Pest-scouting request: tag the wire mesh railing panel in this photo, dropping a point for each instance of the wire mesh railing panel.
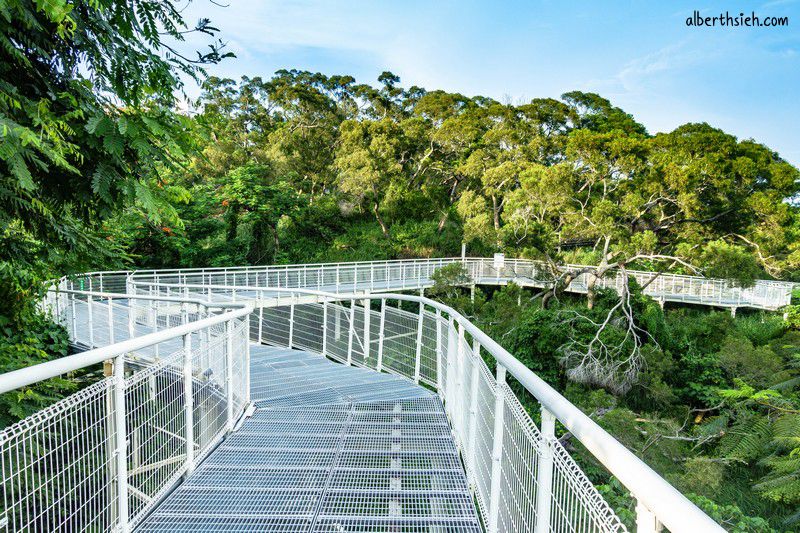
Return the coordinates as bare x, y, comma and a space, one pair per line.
100, 458
337, 332
156, 425
308, 323
481, 460
576, 504
58, 472
399, 341
519, 484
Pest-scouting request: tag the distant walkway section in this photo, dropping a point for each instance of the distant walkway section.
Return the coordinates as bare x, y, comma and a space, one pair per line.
412, 274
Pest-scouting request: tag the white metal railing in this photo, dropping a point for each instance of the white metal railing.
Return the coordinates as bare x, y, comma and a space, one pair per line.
383, 276
522, 477
179, 341
101, 458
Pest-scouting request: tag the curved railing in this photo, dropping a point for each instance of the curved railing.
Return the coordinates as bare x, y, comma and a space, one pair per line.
102, 458
383, 276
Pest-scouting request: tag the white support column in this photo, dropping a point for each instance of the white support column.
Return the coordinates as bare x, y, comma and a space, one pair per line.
418, 355
261, 320
291, 322
246, 372
367, 331
473, 413
646, 521
188, 402
544, 480
439, 384
497, 451
452, 351
337, 324
461, 398
90, 303
351, 332
325, 328
229, 371
381, 335
74, 318
131, 323
121, 444
110, 321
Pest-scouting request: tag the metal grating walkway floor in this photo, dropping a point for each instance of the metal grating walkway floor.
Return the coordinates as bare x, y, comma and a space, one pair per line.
329, 448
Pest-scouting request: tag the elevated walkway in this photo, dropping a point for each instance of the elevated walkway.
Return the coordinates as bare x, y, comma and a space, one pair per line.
252, 400
329, 448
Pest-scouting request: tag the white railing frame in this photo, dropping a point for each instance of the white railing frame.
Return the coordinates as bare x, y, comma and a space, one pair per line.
117, 352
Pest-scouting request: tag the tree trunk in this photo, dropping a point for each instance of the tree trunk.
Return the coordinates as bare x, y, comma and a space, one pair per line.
602, 268
384, 227
442, 221
496, 209
591, 295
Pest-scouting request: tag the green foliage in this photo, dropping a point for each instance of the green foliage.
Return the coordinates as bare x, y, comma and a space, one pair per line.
446, 281
28, 340
731, 517
86, 125
757, 366
731, 261
793, 316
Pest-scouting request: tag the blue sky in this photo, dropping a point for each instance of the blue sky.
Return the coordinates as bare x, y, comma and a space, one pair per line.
640, 55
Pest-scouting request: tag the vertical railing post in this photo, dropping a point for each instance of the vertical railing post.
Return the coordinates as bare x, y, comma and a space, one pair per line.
131, 322
472, 443
246, 371
110, 321
367, 332
261, 320
188, 402
381, 335
90, 302
121, 443
452, 349
74, 318
229, 371
439, 384
325, 328
418, 354
351, 331
544, 479
291, 321
497, 450
460, 396
646, 521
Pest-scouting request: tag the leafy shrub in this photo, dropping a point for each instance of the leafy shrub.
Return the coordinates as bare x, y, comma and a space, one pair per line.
758, 366
731, 517
793, 317
31, 340
760, 328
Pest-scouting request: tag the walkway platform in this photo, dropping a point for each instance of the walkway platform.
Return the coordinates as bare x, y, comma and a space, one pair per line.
330, 448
